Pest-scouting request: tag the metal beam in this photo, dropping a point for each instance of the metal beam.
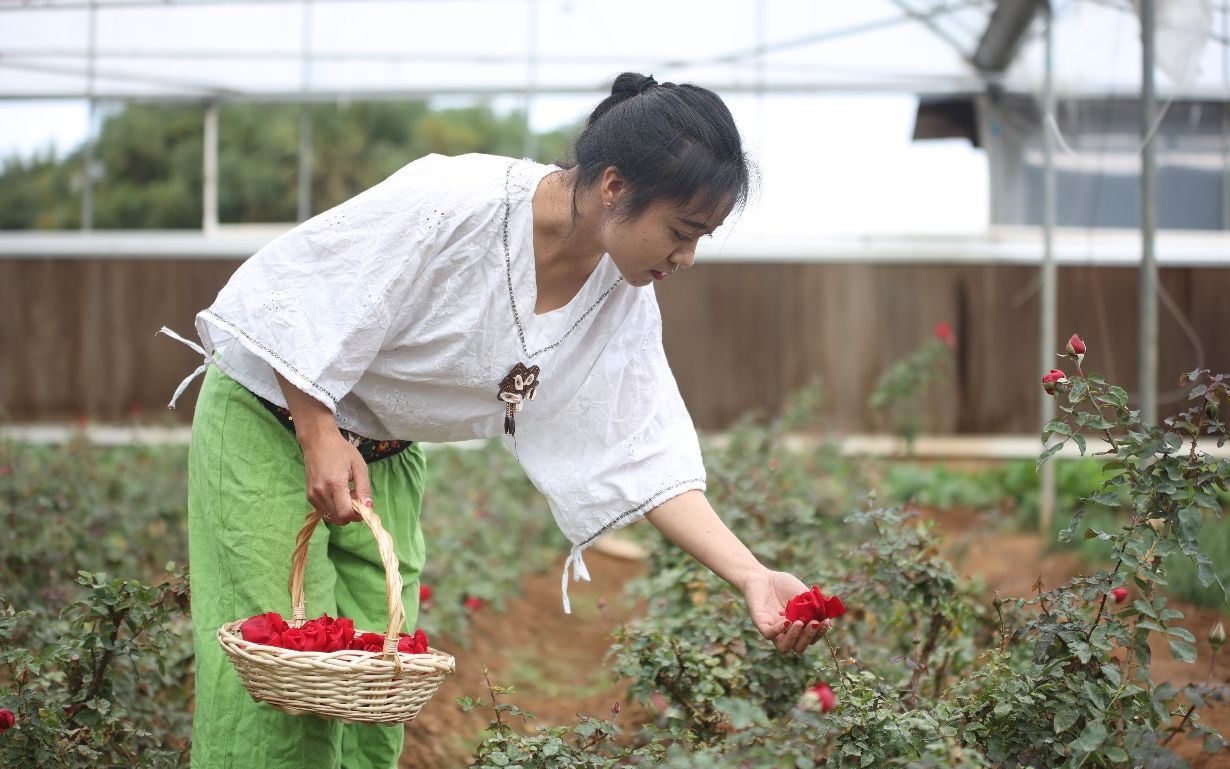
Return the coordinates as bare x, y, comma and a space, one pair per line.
1147, 371
1005, 31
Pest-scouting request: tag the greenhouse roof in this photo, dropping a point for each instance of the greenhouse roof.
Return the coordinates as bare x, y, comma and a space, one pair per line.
282, 50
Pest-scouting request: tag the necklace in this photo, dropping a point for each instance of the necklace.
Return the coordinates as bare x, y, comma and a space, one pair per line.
521, 382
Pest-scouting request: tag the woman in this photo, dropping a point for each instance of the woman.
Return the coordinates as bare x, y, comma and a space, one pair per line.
466, 297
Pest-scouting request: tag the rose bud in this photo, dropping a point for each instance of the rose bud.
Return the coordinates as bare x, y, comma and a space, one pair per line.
1120, 594
1052, 380
1076, 347
424, 594
1211, 409
819, 697
1217, 636
473, 603
7, 719
615, 710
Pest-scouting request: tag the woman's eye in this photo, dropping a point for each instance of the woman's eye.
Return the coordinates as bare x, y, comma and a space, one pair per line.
680, 236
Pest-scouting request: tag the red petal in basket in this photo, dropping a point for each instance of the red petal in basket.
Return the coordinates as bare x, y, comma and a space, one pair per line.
368, 642
413, 644
264, 629
339, 633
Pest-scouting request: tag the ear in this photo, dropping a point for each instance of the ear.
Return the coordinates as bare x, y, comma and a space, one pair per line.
611, 186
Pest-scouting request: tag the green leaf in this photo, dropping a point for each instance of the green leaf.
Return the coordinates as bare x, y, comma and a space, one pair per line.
1080, 442
1050, 452
1182, 634
1189, 523
1090, 739
1182, 651
1115, 754
1064, 719
1173, 440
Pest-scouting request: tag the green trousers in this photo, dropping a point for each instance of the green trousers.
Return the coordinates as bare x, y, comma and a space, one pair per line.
246, 502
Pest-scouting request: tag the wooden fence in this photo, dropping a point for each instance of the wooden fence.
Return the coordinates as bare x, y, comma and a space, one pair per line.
77, 335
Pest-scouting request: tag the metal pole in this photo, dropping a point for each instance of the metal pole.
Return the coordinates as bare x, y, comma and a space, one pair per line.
305, 121
209, 193
531, 141
1046, 501
1147, 373
87, 174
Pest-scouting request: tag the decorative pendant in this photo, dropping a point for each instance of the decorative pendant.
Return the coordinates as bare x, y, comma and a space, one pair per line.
519, 385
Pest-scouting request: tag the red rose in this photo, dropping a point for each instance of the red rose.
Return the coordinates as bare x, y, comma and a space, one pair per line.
473, 603
338, 632
264, 629
1076, 345
943, 332
424, 594
7, 719
1052, 380
413, 644
1120, 594
368, 642
813, 606
819, 696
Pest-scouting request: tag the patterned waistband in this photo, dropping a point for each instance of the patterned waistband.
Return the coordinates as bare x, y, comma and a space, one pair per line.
371, 449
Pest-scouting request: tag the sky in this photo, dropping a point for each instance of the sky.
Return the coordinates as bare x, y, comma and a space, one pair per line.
835, 161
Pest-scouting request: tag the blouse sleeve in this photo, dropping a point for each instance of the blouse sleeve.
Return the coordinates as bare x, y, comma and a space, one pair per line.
317, 303
623, 444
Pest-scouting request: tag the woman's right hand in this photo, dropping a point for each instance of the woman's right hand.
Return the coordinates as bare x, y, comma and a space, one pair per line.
334, 470
331, 465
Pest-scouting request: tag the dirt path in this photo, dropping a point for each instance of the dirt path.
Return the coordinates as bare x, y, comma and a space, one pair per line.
553, 660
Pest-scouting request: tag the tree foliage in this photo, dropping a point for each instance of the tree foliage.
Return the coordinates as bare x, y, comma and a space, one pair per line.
148, 161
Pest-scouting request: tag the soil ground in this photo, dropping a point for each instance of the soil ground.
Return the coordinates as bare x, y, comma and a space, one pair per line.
555, 661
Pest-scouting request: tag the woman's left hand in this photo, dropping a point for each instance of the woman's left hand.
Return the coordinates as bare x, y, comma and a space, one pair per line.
767, 594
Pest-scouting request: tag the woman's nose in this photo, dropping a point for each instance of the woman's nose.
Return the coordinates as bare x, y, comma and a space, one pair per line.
684, 257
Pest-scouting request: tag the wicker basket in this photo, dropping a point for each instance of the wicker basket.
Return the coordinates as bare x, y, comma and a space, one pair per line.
350, 686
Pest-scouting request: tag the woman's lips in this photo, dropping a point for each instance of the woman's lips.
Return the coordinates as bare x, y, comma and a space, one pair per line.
657, 275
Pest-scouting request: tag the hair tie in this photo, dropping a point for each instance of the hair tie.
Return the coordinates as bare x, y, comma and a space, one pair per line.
644, 84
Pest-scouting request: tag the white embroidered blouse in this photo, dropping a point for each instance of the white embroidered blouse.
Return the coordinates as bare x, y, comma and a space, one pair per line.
404, 307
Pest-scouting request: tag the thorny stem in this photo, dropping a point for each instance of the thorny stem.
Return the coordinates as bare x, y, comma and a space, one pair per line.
924, 655
833, 653
491, 693
1191, 709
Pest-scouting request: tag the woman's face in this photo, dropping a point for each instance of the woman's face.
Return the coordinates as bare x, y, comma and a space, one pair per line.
659, 241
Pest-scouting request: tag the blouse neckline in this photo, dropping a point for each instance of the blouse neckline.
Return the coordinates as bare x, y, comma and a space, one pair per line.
540, 333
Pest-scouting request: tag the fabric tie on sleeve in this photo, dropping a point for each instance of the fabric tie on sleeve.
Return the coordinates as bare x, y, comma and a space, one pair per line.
579, 572
200, 369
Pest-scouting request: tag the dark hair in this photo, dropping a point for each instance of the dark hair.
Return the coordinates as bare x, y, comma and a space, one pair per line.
670, 142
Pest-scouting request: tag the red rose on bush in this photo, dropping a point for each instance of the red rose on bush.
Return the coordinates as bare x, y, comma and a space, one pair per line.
820, 697
7, 719
424, 594
1053, 379
1076, 345
413, 644
1120, 594
813, 606
473, 603
943, 332
264, 629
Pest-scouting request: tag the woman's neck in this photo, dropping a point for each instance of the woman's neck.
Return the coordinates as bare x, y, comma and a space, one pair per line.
565, 249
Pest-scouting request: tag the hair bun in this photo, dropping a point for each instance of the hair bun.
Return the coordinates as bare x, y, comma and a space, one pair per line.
631, 84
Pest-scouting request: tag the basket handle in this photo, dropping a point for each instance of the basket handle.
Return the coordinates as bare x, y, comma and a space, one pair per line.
392, 576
